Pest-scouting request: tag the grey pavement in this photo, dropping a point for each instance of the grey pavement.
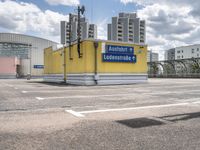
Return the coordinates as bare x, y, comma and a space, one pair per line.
160, 114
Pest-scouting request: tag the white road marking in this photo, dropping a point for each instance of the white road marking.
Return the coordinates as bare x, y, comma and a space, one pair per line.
87, 96
56, 91
39, 98
172, 92
198, 102
75, 113
133, 108
124, 109
161, 120
122, 94
9, 85
187, 100
24, 91
133, 89
74, 90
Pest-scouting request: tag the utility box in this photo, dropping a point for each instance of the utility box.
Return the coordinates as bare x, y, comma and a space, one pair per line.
101, 63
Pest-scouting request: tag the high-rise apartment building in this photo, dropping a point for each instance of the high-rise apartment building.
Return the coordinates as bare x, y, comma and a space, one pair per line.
86, 30
127, 27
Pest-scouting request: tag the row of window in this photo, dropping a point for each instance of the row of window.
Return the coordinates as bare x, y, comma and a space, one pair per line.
179, 57
192, 50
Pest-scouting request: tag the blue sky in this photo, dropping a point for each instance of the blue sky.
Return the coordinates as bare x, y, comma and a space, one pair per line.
166, 26
96, 10
49, 13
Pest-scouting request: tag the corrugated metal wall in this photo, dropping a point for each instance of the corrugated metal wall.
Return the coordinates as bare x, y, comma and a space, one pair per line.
37, 48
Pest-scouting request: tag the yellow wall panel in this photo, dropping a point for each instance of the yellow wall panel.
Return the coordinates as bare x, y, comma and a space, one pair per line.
86, 64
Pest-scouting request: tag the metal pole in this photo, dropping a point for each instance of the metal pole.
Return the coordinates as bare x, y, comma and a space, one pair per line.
64, 63
70, 35
78, 31
30, 65
96, 62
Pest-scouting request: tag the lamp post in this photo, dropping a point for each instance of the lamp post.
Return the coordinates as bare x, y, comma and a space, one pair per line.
81, 10
64, 64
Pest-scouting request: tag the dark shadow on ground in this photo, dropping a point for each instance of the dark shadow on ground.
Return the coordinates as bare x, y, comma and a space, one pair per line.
62, 84
146, 122
140, 122
181, 117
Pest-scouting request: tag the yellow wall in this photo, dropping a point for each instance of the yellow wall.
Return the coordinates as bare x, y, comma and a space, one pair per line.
47, 62
117, 67
54, 60
76, 64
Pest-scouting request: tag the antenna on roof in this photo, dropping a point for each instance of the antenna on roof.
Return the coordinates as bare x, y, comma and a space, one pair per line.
92, 4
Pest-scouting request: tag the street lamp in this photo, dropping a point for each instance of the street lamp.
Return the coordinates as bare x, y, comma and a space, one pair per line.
81, 10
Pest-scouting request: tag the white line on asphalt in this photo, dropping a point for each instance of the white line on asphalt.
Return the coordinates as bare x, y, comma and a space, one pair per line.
133, 108
125, 109
171, 92
74, 90
196, 102
147, 91
39, 98
187, 100
9, 85
110, 95
161, 120
85, 96
75, 113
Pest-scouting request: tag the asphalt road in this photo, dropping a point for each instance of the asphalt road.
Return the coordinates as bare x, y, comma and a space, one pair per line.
161, 114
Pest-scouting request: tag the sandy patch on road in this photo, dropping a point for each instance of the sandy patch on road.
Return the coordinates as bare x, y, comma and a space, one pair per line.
37, 121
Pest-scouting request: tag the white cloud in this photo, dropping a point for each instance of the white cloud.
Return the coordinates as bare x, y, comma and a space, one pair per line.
63, 2
170, 23
102, 29
28, 18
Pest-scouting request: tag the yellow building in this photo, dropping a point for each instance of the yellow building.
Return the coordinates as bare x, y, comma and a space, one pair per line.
101, 63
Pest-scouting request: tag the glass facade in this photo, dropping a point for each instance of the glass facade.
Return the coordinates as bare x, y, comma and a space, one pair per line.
15, 49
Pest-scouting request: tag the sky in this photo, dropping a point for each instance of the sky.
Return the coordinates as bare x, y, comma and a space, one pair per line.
170, 23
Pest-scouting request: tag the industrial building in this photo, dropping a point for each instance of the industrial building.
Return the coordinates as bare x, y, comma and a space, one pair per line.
186, 52
101, 63
86, 30
127, 27
183, 52
22, 54
152, 56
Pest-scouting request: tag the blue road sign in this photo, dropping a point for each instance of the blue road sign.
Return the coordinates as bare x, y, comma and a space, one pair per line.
114, 53
106, 57
114, 49
38, 66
